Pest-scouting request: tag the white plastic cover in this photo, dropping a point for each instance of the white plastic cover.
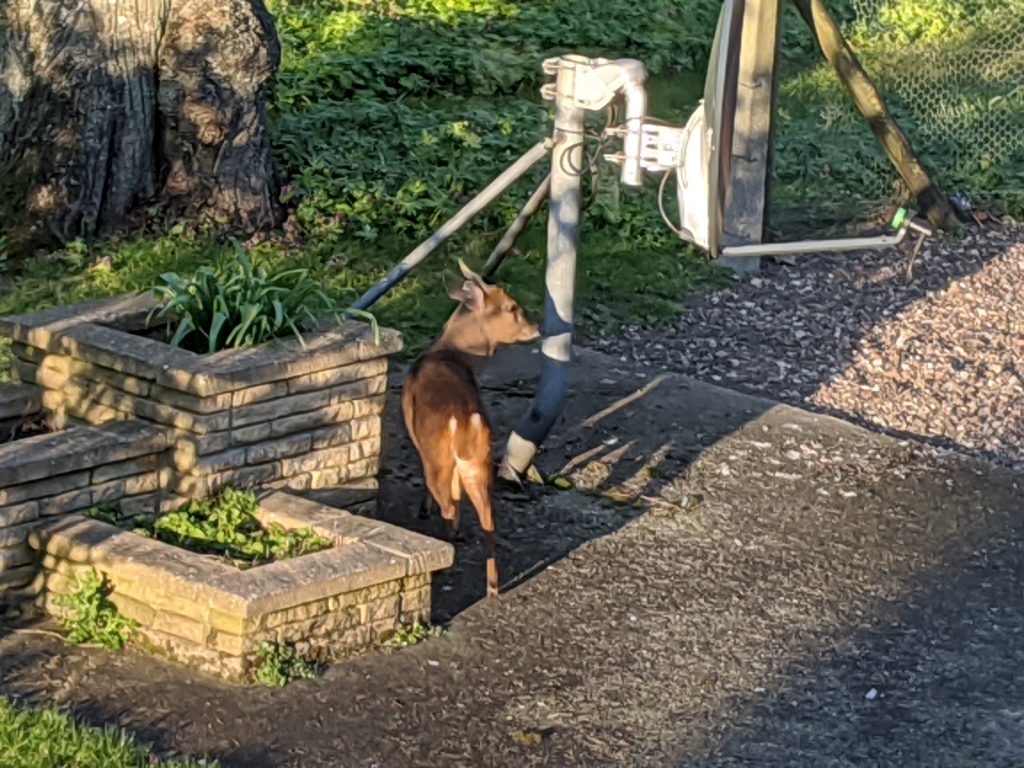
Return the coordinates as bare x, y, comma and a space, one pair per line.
701, 187
692, 184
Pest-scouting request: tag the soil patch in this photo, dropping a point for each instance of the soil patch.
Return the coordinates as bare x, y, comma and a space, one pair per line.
29, 427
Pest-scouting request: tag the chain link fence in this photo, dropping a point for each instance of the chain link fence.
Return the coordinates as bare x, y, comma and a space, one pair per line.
952, 74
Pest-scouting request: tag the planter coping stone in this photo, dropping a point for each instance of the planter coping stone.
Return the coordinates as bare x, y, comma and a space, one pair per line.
76, 448
100, 331
365, 552
17, 400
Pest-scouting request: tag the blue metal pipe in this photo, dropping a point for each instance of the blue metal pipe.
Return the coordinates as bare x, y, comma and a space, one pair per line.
559, 281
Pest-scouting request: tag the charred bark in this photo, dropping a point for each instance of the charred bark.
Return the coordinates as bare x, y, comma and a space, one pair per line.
106, 105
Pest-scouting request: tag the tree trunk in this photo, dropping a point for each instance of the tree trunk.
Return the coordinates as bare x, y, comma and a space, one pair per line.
109, 104
840, 55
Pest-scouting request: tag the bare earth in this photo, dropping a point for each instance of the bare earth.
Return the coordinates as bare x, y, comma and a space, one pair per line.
770, 587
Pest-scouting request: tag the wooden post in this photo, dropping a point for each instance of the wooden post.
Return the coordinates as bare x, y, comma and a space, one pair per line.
745, 205
840, 55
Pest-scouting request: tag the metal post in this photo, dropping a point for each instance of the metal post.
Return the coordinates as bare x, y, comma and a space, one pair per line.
484, 198
560, 278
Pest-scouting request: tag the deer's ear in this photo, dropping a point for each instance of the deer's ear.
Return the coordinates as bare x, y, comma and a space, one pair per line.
469, 294
469, 274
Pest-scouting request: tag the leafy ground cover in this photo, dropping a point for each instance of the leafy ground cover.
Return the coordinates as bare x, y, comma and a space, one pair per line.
226, 526
387, 117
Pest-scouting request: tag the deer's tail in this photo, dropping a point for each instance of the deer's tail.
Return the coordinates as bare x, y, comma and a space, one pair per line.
471, 446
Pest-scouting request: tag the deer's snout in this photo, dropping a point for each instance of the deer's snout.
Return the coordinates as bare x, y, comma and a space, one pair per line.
531, 332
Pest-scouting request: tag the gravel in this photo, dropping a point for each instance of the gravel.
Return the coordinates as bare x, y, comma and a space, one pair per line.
938, 355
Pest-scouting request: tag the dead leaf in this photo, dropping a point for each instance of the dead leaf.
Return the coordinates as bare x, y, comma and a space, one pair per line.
527, 738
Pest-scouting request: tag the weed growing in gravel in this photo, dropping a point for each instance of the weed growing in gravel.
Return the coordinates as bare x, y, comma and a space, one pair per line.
279, 665
226, 526
91, 617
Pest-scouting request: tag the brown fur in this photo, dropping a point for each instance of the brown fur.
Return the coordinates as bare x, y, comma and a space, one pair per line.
444, 412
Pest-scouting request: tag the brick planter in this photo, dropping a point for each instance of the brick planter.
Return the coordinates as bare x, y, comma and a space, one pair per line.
276, 415
204, 613
60, 472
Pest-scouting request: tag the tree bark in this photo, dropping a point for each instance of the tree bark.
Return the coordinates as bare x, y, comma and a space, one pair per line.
216, 64
840, 55
106, 105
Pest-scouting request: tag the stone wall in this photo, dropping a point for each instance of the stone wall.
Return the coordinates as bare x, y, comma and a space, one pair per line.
204, 613
61, 472
280, 415
17, 403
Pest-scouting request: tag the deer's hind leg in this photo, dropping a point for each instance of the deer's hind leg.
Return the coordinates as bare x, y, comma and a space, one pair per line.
477, 480
427, 505
408, 415
442, 483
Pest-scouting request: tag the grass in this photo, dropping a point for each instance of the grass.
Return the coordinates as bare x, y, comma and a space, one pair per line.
951, 75
47, 738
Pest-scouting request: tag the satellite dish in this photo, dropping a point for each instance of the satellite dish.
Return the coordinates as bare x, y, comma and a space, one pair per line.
706, 152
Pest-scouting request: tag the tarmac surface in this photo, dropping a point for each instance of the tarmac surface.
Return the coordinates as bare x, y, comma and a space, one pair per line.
728, 582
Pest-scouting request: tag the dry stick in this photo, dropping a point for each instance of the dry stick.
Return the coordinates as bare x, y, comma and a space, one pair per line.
619, 404
871, 105
48, 633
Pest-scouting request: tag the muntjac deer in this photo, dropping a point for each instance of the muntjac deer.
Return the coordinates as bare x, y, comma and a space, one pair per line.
444, 412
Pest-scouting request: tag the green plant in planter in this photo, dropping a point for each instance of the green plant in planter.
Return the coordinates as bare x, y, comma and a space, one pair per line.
240, 303
226, 526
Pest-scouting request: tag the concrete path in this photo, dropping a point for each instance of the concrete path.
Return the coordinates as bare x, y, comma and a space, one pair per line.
730, 583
